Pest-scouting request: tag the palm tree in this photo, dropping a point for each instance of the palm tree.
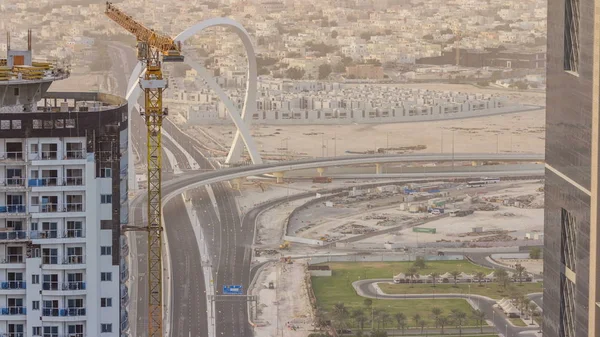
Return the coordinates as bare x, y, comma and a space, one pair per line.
459, 318
340, 315
502, 278
434, 277
320, 316
401, 321
455, 274
525, 301
480, 276
533, 310
376, 317
360, 318
412, 274
422, 324
442, 321
385, 317
520, 272
369, 306
436, 312
479, 317
417, 318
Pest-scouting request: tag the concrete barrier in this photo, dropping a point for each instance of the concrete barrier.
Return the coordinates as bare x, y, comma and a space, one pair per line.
381, 258
303, 240
510, 256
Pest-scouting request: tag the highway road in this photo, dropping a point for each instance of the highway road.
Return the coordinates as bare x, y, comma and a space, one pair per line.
189, 313
366, 288
233, 248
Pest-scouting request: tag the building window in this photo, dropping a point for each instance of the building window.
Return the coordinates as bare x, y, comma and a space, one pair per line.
105, 276
106, 199
16, 92
106, 250
568, 238
567, 307
35, 305
106, 302
571, 57
37, 330
35, 279
106, 328
105, 173
33, 148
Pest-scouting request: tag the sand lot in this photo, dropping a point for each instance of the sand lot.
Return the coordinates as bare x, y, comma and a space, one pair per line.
519, 132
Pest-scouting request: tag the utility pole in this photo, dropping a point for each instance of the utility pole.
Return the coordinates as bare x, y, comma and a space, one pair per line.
497, 143
335, 145
453, 150
387, 140
323, 145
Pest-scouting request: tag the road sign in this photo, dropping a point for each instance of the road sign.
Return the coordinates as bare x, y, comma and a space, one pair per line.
232, 290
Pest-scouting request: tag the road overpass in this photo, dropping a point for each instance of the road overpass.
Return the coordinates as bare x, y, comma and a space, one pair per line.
241, 261
278, 169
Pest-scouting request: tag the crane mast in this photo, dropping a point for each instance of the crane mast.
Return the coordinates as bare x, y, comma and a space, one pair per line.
150, 46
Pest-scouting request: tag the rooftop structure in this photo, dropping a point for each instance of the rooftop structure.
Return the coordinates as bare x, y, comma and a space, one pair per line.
23, 80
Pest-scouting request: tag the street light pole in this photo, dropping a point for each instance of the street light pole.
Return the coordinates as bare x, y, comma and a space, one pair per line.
453, 150
335, 145
387, 140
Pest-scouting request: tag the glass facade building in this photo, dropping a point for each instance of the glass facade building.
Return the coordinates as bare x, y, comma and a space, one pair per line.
571, 188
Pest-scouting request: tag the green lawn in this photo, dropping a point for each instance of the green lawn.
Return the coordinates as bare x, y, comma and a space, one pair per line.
493, 290
517, 322
338, 288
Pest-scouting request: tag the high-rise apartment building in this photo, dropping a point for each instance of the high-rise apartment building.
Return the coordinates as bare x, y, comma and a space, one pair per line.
63, 198
571, 192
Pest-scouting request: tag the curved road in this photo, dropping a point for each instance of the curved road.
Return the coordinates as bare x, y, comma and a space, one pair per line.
365, 288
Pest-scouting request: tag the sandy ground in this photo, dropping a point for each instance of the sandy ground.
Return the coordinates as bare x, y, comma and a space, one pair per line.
518, 221
285, 306
519, 132
532, 266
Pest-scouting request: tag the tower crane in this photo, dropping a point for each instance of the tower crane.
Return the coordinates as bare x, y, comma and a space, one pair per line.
150, 47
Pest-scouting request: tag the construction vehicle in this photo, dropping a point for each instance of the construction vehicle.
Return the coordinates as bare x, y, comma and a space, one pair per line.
150, 47
285, 245
286, 259
322, 180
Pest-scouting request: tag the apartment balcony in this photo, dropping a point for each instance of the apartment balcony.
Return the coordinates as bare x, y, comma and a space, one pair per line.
64, 314
67, 262
55, 184
12, 211
13, 311
12, 158
10, 285
9, 235
56, 236
55, 158
63, 289
49, 210
13, 185
75, 154
12, 288
12, 261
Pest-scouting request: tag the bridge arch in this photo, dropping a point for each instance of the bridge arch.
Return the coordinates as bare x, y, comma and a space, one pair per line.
241, 120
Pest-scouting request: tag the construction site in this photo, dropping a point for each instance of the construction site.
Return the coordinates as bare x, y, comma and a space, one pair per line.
390, 219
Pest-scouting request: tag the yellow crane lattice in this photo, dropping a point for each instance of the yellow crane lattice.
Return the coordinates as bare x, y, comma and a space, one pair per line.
150, 46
